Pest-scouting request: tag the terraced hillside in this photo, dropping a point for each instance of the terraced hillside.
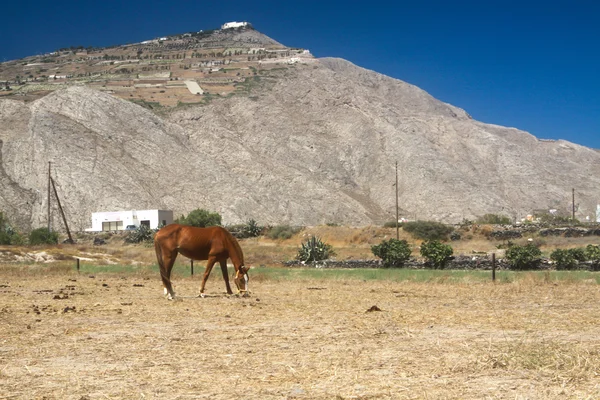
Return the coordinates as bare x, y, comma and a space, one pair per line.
162, 72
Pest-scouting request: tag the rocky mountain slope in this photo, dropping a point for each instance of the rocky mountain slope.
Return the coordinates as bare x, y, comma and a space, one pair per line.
311, 143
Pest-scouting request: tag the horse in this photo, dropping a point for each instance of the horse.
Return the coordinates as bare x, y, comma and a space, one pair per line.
213, 244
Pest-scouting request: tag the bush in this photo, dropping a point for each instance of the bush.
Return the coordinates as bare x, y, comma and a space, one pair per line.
282, 232
436, 253
427, 230
252, 229
8, 235
314, 249
249, 229
563, 260
568, 259
141, 234
393, 252
493, 219
391, 224
523, 257
4, 238
42, 236
592, 253
200, 218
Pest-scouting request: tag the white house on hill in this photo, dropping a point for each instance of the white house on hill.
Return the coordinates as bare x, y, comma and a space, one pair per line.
120, 220
233, 24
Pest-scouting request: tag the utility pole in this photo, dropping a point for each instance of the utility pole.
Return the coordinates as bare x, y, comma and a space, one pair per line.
49, 163
62, 212
573, 205
397, 217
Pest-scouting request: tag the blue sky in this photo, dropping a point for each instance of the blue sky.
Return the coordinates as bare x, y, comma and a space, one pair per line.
529, 65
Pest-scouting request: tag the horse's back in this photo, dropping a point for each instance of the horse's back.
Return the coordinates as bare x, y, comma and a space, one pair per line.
193, 242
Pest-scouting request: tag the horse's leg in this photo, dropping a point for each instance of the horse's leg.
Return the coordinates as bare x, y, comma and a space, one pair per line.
165, 273
225, 275
209, 264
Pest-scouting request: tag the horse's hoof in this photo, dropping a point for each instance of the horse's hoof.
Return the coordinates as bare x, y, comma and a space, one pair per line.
201, 295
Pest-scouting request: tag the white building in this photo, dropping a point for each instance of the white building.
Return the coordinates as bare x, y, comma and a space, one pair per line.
233, 24
598, 213
119, 220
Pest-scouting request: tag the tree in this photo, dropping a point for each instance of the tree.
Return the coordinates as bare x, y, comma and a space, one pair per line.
436, 253
567, 259
201, 218
393, 252
523, 257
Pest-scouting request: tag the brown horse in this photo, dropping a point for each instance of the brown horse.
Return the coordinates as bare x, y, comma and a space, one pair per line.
212, 244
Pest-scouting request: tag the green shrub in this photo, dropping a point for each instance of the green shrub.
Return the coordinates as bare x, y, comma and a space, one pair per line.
427, 230
393, 252
494, 219
314, 249
592, 253
8, 235
437, 254
141, 234
200, 218
42, 236
391, 224
282, 232
4, 238
523, 257
246, 230
563, 259
252, 229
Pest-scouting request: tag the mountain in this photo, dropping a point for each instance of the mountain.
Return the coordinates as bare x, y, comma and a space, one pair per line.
290, 139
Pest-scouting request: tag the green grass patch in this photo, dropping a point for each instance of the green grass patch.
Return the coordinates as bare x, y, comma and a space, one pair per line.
182, 269
412, 275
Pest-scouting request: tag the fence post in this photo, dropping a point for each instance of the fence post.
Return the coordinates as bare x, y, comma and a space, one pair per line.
77, 265
494, 267
192, 265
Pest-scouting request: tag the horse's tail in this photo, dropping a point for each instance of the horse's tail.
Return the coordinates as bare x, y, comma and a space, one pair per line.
159, 257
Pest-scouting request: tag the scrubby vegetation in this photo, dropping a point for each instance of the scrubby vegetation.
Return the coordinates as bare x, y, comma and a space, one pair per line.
42, 236
427, 230
494, 219
141, 234
314, 249
282, 232
8, 235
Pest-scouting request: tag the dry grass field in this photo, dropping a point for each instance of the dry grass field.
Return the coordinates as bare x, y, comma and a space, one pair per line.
320, 335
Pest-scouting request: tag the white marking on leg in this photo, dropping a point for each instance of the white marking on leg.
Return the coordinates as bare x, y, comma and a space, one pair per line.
165, 291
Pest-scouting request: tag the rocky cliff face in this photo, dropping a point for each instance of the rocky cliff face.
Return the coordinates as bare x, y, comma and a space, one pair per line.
309, 144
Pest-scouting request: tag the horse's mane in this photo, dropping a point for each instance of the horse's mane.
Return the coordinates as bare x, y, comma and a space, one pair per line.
234, 246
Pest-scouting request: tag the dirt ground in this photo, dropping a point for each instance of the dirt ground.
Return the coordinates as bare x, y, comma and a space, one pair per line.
70, 336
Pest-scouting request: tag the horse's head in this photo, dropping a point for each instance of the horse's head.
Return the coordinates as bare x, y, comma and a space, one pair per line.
241, 279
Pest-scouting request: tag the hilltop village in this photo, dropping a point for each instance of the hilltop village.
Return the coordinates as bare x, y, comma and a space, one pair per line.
162, 72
